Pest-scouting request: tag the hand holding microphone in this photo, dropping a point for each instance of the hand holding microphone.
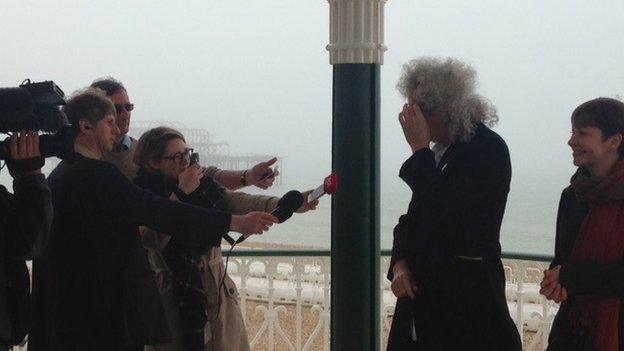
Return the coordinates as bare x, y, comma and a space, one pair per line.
329, 186
252, 223
307, 205
292, 201
288, 204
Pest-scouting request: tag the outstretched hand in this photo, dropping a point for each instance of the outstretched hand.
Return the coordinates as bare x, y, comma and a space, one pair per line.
307, 205
262, 175
252, 223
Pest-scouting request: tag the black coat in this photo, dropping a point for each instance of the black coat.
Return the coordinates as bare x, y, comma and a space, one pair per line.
579, 278
456, 210
25, 219
94, 287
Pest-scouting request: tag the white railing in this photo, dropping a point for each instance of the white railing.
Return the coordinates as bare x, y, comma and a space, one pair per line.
285, 299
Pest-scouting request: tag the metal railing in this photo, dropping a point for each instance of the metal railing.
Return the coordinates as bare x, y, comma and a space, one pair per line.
285, 297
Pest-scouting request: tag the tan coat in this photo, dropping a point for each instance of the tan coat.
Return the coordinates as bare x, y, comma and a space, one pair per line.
225, 330
123, 161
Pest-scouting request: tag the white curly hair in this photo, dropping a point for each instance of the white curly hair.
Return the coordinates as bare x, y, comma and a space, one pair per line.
446, 87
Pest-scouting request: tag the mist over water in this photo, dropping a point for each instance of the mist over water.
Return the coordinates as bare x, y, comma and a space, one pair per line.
528, 224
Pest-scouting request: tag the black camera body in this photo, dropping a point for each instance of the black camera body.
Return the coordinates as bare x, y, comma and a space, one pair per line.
35, 107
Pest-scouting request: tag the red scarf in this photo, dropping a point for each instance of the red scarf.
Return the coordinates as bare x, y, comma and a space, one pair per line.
600, 240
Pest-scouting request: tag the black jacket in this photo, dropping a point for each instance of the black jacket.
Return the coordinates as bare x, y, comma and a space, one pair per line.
579, 278
25, 220
456, 210
96, 291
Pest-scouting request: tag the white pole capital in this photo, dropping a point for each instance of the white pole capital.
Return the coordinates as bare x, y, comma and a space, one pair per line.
356, 31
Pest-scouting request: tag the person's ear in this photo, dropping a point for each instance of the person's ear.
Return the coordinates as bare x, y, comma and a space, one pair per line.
85, 126
616, 141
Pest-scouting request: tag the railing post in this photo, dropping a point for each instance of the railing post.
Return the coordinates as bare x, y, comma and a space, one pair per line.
298, 270
520, 298
356, 52
271, 271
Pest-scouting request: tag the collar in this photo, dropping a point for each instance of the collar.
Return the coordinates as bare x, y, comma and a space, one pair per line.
125, 145
439, 149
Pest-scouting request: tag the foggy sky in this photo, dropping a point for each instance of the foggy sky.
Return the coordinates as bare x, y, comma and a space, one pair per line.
257, 75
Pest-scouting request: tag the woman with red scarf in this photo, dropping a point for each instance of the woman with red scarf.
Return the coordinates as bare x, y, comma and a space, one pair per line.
587, 274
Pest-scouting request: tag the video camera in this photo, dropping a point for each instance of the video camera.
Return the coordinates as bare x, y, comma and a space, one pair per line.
35, 107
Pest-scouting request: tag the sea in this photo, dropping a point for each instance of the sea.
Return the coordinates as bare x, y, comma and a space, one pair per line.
528, 225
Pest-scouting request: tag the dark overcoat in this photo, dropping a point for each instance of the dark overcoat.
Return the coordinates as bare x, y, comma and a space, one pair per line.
93, 287
450, 240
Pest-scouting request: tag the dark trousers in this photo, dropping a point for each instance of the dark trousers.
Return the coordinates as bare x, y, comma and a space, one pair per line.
69, 342
453, 310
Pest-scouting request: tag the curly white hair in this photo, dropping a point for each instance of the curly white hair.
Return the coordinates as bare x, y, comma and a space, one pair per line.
446, 87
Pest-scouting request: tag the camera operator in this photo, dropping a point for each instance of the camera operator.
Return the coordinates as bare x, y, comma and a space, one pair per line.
25, 218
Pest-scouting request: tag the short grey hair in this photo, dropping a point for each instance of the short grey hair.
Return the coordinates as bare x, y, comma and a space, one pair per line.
447, 87
90, 104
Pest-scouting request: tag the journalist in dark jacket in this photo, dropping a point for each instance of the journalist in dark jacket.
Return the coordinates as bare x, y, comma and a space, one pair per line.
446, 269
96, 289
24, 225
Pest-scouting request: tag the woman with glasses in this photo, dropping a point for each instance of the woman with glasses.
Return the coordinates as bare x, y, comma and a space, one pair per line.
202, 304
587, 274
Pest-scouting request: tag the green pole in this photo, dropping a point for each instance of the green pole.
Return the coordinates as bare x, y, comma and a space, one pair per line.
355, 251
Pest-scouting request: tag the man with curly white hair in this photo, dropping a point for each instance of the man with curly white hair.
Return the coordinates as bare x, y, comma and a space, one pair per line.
446, 269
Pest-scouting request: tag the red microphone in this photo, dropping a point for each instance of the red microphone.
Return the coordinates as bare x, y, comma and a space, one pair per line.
329, 186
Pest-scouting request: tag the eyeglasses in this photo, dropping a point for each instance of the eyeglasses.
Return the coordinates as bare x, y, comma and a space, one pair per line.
179, 157
120, 107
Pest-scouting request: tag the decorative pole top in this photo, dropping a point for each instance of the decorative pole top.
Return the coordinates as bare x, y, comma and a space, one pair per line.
356, 31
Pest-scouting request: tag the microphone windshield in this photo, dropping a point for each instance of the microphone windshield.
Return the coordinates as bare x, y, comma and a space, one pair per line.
288, 204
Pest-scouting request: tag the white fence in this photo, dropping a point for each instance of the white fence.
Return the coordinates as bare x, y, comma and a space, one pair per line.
285, 299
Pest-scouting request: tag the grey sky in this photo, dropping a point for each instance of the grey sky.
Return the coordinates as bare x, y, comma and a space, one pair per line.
256, 73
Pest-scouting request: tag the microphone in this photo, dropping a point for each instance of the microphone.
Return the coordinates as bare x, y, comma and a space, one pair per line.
286, 206
329, 186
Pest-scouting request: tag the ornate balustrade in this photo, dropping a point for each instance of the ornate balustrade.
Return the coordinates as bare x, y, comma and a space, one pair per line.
285, 298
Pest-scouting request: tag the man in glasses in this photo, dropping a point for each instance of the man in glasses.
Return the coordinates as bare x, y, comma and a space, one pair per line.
121, 156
